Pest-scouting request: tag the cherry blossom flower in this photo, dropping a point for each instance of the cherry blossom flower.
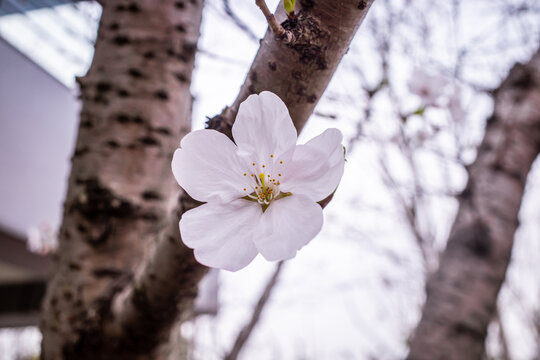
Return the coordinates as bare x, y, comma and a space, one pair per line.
261, 191
428, 87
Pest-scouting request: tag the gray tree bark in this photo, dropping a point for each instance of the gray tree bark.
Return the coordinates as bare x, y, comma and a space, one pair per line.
462, 295
136, 105
122, 277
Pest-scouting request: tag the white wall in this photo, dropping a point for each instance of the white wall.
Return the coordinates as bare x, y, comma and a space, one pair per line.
38, 122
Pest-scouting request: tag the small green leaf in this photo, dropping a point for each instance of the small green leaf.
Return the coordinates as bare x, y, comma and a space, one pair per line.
420, 111
289, 5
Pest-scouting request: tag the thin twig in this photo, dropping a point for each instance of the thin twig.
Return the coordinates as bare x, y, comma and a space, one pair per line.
244, 334
237, 21
276, 27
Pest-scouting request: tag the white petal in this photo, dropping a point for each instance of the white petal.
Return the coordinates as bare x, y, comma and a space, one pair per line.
286, 226
316, 167
263, 127
207, 167
222, 234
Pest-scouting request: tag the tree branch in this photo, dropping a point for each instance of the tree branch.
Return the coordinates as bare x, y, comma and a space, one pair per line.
246, 331
276, 27
462, 296
299, 72
241, 25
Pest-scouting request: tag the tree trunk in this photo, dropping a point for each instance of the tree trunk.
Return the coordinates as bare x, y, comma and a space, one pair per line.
462, 296
136, 106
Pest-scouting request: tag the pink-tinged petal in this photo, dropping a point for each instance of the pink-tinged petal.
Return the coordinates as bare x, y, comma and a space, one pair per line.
207, 167
316, 167
263, 127
221, 235
287, 225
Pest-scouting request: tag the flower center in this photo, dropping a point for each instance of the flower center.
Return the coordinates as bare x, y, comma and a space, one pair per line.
264, 183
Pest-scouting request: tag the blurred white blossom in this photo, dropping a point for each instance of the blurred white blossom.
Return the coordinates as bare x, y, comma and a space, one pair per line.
42, 239
428, 87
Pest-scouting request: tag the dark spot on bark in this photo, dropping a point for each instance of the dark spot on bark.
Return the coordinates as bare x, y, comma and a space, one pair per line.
301, 90
486, 146
180, 28
114, 26
466, 330
121, 40
181, 77
149, 217
103, 86
122, 118
251, 89
108, 272
87, 124
311, 39
123, 93
272, 65
100, 99
220, 124
182, 57
67, 295
516, 176
73, 266
151, 195
362, 4
132, 147
120, 7
113, 144
134, 8
170, 52
466, 193
179, 5
307, 4
253, 76
161, 94
101, 203
476, 238
163, 131
152, 276
522, 78
491, 120
321, 63
312, 98
138, 120
136, 73
190, 48
149, 55
296, 75
149, 141
82, 229
81, 151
